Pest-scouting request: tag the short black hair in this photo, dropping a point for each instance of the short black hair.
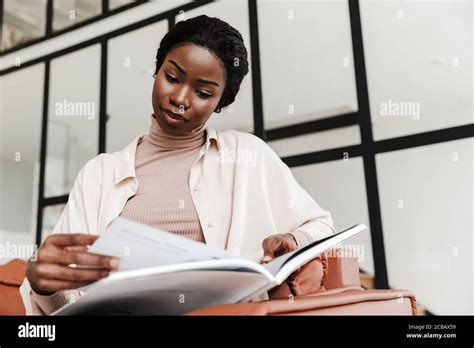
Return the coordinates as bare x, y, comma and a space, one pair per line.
221, 39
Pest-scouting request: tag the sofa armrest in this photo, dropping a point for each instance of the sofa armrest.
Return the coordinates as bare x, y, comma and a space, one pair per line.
342, 301
343, 269
337, 268
11, 277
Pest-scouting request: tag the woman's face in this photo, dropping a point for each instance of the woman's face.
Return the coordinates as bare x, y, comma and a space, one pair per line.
189, 85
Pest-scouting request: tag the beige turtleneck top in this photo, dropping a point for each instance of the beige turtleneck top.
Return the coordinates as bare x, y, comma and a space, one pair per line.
162, 165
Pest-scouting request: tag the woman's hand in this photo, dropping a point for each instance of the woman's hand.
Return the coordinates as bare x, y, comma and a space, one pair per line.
48, 272
278, 244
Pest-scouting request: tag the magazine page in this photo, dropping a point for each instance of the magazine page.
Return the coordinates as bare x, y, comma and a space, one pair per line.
282, 266
141, 246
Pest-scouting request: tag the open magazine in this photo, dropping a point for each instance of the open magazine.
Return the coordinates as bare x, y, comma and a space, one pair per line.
164, 274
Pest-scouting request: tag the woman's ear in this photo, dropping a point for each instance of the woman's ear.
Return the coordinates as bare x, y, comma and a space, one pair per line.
218, 108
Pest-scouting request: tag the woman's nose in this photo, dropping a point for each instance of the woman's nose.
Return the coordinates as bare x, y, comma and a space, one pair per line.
180, 99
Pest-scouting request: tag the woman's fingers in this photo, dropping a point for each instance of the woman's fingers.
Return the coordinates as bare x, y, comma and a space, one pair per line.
289, 244
63, 240
51, 285
65, 257
277, 245
269, 245
66, 249
49, 272
64, 273
77, 248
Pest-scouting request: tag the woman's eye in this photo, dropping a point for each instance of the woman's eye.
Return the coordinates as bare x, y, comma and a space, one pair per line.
171, 78
203, 95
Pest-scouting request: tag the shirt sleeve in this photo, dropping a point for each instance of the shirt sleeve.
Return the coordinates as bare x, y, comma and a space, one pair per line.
75, 218
293, 209
302, 238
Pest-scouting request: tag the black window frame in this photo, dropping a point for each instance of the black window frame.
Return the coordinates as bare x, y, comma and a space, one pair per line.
49, 33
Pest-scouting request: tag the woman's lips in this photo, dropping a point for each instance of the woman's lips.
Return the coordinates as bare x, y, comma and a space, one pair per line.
174, 114
172, 118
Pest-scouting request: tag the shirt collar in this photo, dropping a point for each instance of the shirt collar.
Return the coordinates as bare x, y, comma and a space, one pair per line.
125, 166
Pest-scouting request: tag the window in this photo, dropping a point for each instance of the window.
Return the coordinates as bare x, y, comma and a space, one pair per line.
23, 21
306, 61
51, 216
73, 118
20, 135
114, 4
70, 12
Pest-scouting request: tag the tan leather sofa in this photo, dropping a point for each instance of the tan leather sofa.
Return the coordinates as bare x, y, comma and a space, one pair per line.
330, 287
340, 294
11, 277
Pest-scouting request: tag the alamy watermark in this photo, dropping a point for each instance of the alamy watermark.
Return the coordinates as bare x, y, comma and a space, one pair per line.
28, 330
79, 109
348, 250
227, 155
17, 251
401, 109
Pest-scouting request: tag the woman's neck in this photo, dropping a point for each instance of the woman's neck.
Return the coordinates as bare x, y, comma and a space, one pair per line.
159, 137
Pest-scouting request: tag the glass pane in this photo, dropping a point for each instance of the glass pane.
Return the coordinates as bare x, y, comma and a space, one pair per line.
339, 187
20, 139
318, 141
113, 4
51, 216
23, 21
73, 118
306, 60
419, 65
70, 12
426, 207
131, 62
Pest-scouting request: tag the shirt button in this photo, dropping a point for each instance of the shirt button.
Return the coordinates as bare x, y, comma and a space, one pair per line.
210, 224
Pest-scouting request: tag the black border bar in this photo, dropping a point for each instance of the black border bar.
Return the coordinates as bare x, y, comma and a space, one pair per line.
244, 330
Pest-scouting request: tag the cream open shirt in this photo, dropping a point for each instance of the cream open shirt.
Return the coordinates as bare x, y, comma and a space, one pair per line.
241, 189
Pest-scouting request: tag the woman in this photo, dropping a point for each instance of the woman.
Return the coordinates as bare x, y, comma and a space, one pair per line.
226, 189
